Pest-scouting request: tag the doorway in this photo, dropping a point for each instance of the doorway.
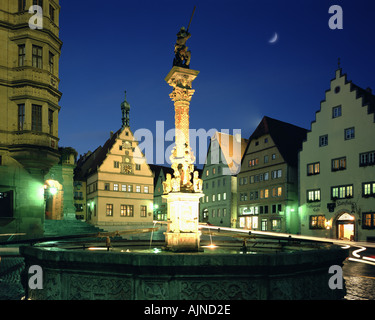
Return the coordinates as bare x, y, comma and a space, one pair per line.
345, 227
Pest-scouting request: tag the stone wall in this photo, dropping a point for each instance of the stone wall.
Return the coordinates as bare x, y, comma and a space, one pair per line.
84, 275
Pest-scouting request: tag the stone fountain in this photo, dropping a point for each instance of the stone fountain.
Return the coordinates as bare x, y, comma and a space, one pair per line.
179, 269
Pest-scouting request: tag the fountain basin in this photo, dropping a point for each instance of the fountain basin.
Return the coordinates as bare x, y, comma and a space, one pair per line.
160, 275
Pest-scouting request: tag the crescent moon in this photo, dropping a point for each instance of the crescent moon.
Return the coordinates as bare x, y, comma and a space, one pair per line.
274, 38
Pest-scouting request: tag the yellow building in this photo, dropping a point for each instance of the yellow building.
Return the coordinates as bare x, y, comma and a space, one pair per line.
29, 108
336, 169
119, 182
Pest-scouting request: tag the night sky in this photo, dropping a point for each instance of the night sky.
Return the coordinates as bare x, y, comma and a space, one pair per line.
116, 45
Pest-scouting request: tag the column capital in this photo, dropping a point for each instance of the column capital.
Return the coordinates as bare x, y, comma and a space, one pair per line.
181, 77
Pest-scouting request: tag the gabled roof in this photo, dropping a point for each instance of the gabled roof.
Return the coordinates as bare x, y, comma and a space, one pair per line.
287, 137
229, 150
89, 164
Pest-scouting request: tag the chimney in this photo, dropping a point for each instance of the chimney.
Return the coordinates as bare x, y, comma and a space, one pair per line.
111, 134
369, 90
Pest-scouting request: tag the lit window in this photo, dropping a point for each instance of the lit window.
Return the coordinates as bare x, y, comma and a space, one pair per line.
137, 188
339, 164
313, 195
115, 187
126, 210
313, 168
224, 196
145, 189
342, 192
317, 222
123, 187
279, 191
143, 211
109, 210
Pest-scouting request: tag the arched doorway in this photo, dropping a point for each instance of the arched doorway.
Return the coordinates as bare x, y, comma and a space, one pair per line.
345, 227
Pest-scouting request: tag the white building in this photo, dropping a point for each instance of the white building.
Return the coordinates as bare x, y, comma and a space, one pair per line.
336, 165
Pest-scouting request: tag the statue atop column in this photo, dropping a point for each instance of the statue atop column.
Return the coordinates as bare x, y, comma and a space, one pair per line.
182, 54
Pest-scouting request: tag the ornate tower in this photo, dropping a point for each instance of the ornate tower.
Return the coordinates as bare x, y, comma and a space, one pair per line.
181, 192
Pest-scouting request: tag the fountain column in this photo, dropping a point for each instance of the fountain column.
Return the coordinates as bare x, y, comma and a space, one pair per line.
181, 192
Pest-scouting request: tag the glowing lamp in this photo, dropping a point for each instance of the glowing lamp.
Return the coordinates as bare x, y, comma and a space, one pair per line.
53, 190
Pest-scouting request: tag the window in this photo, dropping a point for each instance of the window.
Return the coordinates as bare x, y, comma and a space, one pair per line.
130, 188
273, 156
137, 167
51, 59
265, 176
336, 112
38, 3
37, 57
106, 186
115, 187
339, 164
323, 140
137, 188
368, 220
21, 55
313, 195
342, 192
36, 118
21, 5
123, 187
276, 224
109, 210
253, 162
275, 174
367, 159
313, 168
218, 197
145, 189
368, 189
279, 191
266, 193
21, 117
213, 198
224, 196
143, 211
213, 170
207, 173
52, 12
317, 222
349, 133
126, 210
224, 212
116, 164
50, 121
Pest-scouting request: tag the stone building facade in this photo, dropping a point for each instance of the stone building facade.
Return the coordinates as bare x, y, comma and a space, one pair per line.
29, 108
